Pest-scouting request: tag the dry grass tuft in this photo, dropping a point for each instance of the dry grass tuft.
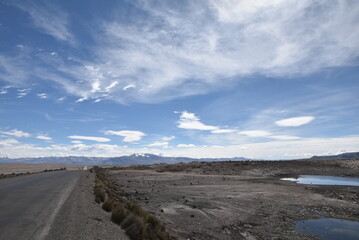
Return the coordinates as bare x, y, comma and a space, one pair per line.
137, 223
134, 227
99, 191
119, 213
108, 205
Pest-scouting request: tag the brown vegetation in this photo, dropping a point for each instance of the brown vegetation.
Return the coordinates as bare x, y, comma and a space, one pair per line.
137, 223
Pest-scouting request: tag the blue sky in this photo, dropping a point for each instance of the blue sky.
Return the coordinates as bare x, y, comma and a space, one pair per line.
221, 78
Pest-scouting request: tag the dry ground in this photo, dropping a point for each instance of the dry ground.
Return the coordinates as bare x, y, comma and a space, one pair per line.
239, 200
17, 168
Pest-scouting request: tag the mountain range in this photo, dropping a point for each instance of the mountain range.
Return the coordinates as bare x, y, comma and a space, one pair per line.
143, 159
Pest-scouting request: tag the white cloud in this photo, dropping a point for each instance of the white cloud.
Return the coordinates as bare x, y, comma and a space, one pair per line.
291, 149
3, 91
191, 121
255, 133
129, 86
23, 92
130, 136
112, 85
185, 145
16, 133
96, 139
44, 137
201, 47
294, 122
168, 138
223, 131
42, 95
76, 142
49, 19
81, 99
8, 142
159, 144
284, 137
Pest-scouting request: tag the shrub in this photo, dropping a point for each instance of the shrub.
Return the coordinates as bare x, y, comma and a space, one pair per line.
108, 205
100, 194
118, 213
134, 227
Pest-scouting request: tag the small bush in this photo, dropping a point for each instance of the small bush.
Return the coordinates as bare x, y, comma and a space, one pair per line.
100, 194
136, 209
108, 205
134, 227
119, 213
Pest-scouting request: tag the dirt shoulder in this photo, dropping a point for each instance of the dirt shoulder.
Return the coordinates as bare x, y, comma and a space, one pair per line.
82, 218
18, 168
239, 200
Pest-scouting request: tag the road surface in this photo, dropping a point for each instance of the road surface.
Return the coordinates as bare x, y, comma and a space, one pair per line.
29, 204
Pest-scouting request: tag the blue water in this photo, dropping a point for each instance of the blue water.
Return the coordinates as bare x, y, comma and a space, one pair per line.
324, 180
329, 229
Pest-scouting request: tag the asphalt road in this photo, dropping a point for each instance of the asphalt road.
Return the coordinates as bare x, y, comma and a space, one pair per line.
29, 204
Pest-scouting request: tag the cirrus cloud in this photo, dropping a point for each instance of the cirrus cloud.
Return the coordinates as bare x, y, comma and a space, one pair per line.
295, 121
89, 138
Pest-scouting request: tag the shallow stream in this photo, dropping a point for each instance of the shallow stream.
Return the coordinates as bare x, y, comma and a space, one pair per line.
329, 228
324, 180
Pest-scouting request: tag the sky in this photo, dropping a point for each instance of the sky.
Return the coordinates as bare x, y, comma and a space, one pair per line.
272, 79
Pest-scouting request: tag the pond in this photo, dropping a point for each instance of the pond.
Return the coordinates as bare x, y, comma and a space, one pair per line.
329, 228
324, 180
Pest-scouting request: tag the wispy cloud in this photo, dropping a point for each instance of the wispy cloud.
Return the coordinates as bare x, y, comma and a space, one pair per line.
8, 142
168, 138
295, 122
16, 133
44, 137
185, 145
129, 136
49, 19
89, 138
4, 90
212, 42
159, 144
255, 133
201, 47
223, 131
23, 92
42, 95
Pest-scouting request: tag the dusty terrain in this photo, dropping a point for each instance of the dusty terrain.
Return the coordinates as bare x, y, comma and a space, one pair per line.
18, 168
82, 218
239, 200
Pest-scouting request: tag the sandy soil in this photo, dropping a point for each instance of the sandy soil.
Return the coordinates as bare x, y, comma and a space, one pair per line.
17, 168
239, 200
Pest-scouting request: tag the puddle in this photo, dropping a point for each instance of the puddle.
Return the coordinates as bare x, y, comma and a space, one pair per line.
329, 228
324, 180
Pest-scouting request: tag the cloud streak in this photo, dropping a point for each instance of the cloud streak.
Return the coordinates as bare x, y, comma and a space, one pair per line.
129, 136
89, 138
16, 133
48, 19
295, 122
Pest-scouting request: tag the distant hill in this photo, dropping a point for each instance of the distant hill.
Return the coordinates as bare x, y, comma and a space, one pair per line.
134, 159
352, 155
